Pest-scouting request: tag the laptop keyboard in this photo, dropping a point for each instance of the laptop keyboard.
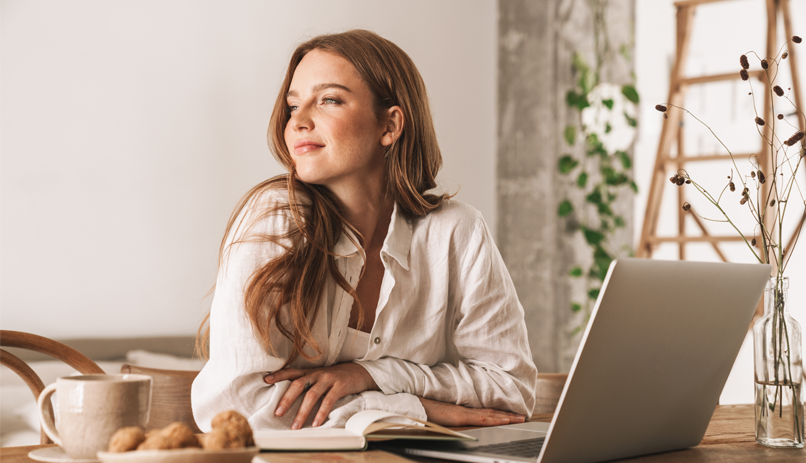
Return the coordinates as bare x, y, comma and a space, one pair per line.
527, 448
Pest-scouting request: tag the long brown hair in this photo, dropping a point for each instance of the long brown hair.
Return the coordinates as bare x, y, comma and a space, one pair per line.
288, 289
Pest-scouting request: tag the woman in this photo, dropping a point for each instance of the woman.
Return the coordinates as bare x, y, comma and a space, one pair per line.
344, 285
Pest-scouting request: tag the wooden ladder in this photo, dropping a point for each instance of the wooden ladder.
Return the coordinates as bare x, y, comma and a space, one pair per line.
672, 132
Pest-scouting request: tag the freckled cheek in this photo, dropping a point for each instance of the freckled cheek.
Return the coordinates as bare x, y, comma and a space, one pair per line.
287, 139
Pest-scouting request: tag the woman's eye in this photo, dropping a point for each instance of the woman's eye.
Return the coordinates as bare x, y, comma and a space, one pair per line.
290, 108
330, 101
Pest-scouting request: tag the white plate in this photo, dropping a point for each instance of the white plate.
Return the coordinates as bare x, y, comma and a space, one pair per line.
54, 455
181, 456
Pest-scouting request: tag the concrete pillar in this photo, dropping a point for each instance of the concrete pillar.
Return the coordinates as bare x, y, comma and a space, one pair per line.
537, 42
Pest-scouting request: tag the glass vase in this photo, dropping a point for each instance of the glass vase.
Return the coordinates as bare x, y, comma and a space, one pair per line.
778, 371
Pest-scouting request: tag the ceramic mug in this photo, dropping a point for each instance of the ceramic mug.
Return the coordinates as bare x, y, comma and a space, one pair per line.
91, 408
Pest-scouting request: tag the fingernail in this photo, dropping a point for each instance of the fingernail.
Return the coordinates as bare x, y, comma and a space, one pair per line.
268, 378
503, 420
280, 410
295, 426
315, 423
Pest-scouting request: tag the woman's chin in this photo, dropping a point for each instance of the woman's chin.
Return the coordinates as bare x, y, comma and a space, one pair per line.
311, 178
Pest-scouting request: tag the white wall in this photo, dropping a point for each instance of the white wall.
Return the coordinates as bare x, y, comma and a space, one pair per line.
129, 130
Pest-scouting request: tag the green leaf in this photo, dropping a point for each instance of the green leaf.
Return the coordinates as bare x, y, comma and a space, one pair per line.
593, 294
575, 307
595, 146
586, 82
619, 222
593, 237
601, 262
634, 187
586, 78
565, 208
576, 100
567, 164
625, 52
630, 92
609, 103
579, 63
630, 121
612, 177
595, 197
570, 134
582, 179
575, 272
608, 128
624, 158
604, 209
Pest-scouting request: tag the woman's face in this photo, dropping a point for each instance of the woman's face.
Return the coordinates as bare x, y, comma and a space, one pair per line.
333, 134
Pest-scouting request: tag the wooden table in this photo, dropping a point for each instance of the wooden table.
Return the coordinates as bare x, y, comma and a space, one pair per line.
729, 438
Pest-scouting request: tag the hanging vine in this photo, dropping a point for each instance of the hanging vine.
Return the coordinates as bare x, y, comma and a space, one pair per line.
606, 125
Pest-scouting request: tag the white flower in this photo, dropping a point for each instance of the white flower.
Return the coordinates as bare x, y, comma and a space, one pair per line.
609, 123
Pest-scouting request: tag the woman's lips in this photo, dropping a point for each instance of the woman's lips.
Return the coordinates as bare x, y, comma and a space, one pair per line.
304, 146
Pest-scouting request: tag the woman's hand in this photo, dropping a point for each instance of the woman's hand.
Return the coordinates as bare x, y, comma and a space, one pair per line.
332, 382
446, 414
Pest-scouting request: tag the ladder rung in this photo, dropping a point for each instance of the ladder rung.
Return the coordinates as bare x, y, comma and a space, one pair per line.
718, 78
693, 239
710, 157
694, 2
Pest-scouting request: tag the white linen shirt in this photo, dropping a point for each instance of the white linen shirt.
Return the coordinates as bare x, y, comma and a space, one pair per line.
448, 324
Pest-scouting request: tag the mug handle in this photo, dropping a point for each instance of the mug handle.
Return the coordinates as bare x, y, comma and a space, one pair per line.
46, 418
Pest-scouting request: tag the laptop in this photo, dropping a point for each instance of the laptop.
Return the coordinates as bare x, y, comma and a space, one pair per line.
653, 360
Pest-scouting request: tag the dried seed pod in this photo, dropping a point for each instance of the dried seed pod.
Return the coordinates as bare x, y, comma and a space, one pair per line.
743, 61
780, 117
764, 64
661, 108
665, 116
772, 203
778, 90
688, 182
785, 55
753, 242
732, 186
744, 75
743, 201
753, 175
798, 136
761, 177
686, 206
796, 39
759, 121
673, 179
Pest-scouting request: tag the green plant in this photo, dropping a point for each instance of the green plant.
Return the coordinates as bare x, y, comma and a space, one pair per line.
606, 126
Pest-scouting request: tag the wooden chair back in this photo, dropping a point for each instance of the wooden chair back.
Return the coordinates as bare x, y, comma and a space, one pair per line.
43, 345
170, 396
548, 390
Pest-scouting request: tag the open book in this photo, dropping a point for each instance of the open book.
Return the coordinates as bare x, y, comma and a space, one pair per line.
364, 425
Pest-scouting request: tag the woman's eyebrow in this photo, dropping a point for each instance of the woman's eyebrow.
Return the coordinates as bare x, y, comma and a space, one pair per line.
318, 88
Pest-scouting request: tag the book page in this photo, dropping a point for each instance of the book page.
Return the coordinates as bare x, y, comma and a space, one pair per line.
368, 422
362, 420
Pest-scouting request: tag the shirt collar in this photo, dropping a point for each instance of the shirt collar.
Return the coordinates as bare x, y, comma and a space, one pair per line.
397, 243
398, 239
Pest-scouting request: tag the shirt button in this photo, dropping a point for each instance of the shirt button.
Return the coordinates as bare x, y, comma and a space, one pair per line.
386, 261
377, 340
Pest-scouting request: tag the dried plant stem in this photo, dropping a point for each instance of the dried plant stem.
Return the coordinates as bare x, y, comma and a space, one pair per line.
724, 214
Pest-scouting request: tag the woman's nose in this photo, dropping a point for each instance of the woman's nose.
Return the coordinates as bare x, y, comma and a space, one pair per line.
301, 119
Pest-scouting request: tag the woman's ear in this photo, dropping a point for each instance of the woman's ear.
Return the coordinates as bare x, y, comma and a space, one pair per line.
394, 125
